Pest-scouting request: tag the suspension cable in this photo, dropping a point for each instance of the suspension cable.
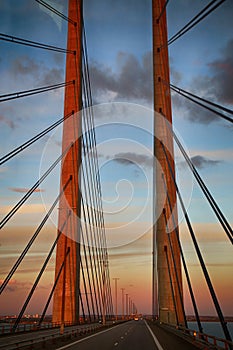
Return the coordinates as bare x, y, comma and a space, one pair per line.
36, 44
162, 11
25, 93
87, 218
226, 226
201, 260
184, 265
195, 20
32, 189
171, 285
94, 197
185, 94
85, 290
28, 143
92, 261
52, 9
53, 289
230, 111
31, 241
38, 277
90, 134
174, 260
88, 273
93, 138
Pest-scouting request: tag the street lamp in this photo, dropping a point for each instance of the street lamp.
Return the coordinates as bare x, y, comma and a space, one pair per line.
127, 305
122, 295
116, 279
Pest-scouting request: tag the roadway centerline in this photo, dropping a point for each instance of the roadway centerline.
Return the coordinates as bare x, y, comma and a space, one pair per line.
157, 343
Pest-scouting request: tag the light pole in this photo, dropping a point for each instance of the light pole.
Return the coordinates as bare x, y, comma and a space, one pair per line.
105, 264
122, 295
116, 279
127, 305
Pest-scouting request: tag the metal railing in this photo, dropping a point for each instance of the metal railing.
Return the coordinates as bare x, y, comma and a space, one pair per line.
53, 338
216, 342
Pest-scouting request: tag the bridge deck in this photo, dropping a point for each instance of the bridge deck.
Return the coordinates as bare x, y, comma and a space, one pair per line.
135, 335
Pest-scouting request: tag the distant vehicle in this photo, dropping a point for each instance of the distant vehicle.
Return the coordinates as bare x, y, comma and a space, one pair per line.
135, 318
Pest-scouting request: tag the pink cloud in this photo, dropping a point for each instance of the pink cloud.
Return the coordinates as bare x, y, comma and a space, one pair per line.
24, 190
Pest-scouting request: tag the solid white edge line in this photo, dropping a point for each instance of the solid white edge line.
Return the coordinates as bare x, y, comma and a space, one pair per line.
157, 343
90, 336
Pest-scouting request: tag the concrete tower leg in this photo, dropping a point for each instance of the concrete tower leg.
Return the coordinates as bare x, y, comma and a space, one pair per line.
66, 295
163, 301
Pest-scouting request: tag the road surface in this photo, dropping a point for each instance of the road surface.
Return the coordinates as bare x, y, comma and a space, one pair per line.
133, 335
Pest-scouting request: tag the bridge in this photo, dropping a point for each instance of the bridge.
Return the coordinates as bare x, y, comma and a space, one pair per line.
103, 248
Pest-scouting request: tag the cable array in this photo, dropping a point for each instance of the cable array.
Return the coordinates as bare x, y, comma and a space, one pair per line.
55, 11
196, 100
198, 251
36, 44
213, 5
26, 93
163, 10
95, 296
92, 206
95, 291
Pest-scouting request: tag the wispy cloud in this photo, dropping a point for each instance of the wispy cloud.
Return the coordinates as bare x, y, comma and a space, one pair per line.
15, 285
130, 158
216, 87
7, 121
24, 190
40, 73
202, 162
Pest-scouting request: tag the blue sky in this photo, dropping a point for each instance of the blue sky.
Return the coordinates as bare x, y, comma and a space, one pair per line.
119, 48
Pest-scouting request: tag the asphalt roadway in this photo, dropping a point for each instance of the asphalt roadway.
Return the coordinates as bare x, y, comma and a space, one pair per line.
133, 335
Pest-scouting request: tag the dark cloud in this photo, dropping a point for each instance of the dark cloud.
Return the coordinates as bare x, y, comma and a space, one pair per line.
133, 79
130, 158
202, 162
222, 70
25, 65
29, 68
216, 87
193, 112
52, 76
7, 121
24, 190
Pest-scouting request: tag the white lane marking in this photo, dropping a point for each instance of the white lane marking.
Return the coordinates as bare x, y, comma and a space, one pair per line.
90, 336
116, 344
122, 337
157, 343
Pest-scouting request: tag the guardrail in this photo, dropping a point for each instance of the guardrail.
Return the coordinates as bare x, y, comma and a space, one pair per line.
29, 327
52, 338
215, 342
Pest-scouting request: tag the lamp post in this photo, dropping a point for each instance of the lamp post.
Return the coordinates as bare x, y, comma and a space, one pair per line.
127, 305
122, 295
105, 265
116, 279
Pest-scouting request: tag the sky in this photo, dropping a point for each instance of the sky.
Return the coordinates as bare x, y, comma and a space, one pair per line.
119, 40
